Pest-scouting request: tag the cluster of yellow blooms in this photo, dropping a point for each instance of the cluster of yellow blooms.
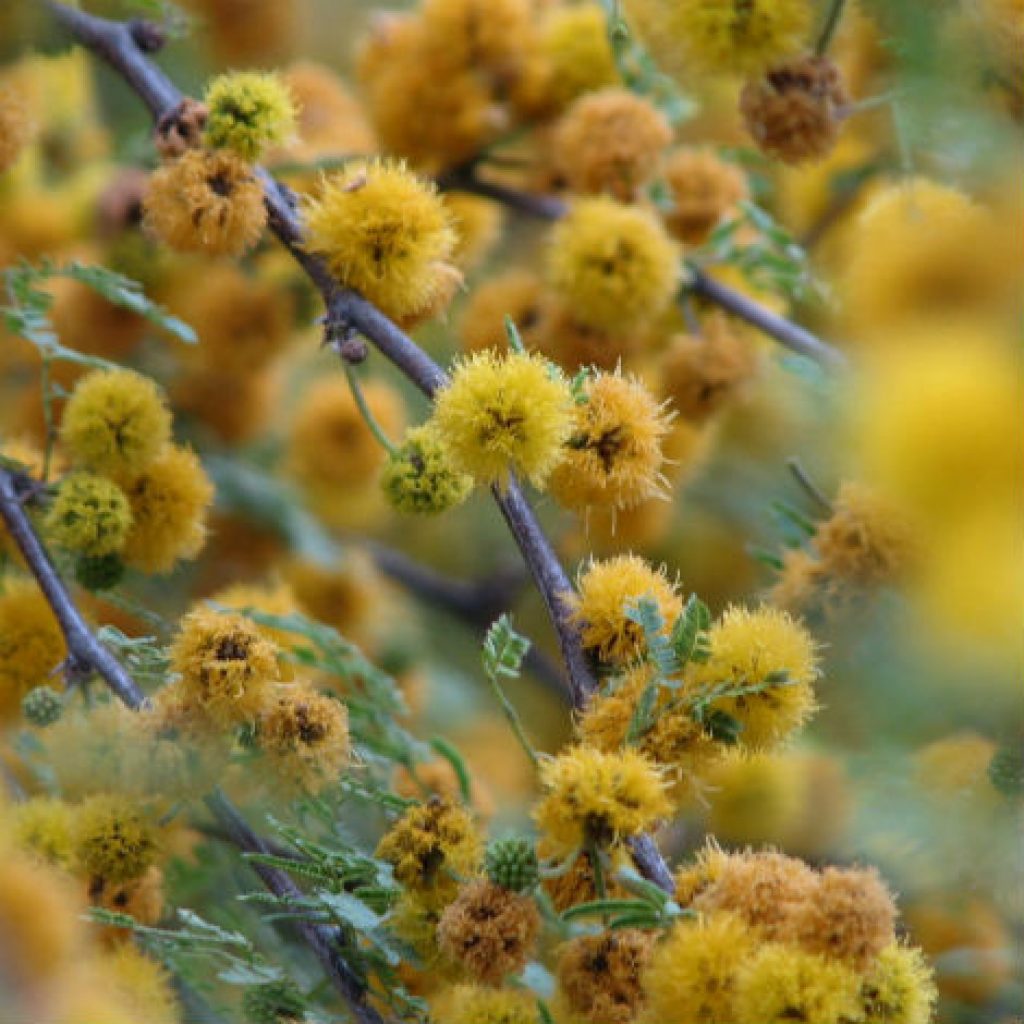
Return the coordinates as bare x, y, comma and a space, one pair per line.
590, 365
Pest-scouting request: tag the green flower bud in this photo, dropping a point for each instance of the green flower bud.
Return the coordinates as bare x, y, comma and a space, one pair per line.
512, 864
42, 706
418, 478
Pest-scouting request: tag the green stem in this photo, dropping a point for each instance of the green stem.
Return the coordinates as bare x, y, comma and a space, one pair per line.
513, 720
51, 433
835, 15
357, 393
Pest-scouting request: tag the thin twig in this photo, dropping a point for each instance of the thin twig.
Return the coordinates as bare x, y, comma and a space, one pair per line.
784, 331
808, 486
828, 31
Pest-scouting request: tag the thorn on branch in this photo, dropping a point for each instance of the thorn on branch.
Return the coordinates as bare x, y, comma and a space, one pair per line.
149, 37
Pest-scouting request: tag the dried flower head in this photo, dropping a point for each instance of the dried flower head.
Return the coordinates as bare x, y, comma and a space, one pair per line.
115, 422
720, 36
385, 233
169, 500
490, 931
89, 515
613, 456
504, 414
418, 478
599, 976
794, 113
207, 202
304, 736
181, 128
766, 649
112, 840
613, 265
141, 897
701, 374
576, 881
607, 590
248, 111
431, 847
705, 189
226, 665
850, 918
784, 983
594, 797
610, 142
692, 973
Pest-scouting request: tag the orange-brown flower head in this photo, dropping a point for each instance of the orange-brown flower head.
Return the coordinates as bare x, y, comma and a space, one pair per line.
206, 202
610, 142
226, 665
700, 374
613, 457
599, 976
490, 931
304, 736
514, 293
851, 917
794, 113
607, 589
705, 189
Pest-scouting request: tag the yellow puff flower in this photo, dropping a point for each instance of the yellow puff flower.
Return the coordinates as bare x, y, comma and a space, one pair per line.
206, 201
43, 827
169, 501
921, 248
674, 742
590, 796
418, 478
607, 589
481, 1004
90, 515
766, 647
502, 414
16, 127
614, 455
304, 736
477, 224
720, 36
141, 984
692, 974
574, 44
112, 840
115, 422
754, 798
225, 663
248, 111
613, 265
783, 983
430, 847
31, 642
899, 988
491, 37
385, 233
